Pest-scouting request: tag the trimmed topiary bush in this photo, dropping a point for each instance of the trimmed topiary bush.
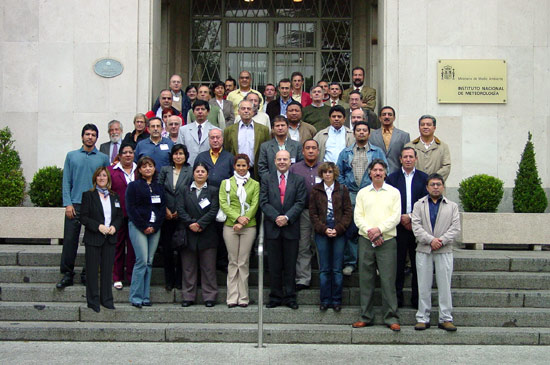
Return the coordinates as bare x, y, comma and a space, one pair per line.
12, 181
46, 187
481, 193
528, 195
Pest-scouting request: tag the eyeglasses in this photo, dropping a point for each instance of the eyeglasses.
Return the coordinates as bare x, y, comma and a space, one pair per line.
435, 184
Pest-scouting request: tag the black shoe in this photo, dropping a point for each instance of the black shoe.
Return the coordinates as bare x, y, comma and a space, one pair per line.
272, 305
187, 303
292, 305
95, 308
137, 305
109, 306
178, 286
209, 303
337, 307
147, 304
67, 280
323, 307
168, 287
83, 279
301, 287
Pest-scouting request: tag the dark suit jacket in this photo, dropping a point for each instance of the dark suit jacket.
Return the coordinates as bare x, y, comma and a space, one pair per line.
273, 108
189, 211
418, 187
231, 143
372, 119
223, 169
294, 202
398, 140
91, 216
166, 179
268, 150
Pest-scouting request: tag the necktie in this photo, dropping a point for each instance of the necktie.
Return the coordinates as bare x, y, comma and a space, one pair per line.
115, 152
200, 133
333, 103
282, 188
357, 89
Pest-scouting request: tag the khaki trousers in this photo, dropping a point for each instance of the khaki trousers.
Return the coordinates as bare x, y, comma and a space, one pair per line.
238, 246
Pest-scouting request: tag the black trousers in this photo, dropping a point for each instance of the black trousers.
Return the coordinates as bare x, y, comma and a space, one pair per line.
172, 266
281, 256
71, 233
406, 245
221, 254
99, 261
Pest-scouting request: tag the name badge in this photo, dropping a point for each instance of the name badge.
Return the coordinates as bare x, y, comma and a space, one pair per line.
204, 203
155, 199
164, 147
292, 160
317, 180
117, 205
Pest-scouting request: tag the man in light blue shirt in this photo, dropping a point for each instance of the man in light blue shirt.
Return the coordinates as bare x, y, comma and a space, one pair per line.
156, 146
333, 139
78, 170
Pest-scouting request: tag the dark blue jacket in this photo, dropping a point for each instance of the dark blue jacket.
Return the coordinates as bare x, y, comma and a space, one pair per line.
139, 206
223, 169
418, 187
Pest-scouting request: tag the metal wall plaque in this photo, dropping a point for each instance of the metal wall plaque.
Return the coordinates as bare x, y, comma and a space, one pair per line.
107, 67
471, 81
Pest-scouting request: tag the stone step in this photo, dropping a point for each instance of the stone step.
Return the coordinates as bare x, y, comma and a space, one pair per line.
272, 334
461, 279
464, 260
306, 314
46, 292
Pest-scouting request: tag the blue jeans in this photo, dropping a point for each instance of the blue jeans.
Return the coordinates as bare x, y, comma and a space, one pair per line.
144, 248
331, 261
350, 249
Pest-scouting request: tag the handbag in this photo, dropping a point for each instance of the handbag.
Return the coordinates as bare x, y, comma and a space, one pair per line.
221, 216
179, 238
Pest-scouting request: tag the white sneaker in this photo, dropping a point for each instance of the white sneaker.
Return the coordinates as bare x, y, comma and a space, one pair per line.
347, 270
118, 285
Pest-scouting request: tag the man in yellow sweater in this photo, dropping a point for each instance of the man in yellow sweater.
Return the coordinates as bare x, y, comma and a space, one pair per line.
377, 213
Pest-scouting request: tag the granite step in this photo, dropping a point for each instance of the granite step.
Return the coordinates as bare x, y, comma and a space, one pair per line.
306, 314
46, 292
272, 334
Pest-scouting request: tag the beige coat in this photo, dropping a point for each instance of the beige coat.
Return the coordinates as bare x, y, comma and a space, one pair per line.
447, 225
436, 159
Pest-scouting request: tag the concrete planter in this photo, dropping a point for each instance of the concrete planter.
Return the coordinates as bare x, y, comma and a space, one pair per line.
505, 228
32, 222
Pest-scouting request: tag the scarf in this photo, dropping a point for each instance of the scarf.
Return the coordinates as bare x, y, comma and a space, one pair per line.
241, 192
105, 192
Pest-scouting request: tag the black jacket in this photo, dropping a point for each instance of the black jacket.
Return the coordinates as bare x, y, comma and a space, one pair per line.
91, 216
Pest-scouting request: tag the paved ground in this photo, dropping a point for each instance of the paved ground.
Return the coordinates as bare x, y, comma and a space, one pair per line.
227, 353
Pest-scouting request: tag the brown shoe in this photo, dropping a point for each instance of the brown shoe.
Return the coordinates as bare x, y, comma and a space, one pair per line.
421, 326
395, 327
361, 324
447, 326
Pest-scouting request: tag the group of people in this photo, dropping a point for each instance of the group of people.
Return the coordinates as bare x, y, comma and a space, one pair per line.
204, 168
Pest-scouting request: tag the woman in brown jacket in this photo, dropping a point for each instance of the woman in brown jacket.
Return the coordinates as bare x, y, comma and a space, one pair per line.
331, 213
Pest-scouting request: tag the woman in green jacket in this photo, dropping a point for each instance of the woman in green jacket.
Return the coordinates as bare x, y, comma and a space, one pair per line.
240, 205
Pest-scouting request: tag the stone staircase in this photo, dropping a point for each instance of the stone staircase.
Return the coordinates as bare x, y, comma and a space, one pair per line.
499, 297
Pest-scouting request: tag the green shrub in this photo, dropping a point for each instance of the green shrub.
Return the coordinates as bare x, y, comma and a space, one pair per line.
12, 181
528, 195
480, 193
46, 187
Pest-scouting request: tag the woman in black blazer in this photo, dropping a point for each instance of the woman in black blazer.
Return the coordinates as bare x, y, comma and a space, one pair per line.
146, 209
175, 179
197, 209
101, 214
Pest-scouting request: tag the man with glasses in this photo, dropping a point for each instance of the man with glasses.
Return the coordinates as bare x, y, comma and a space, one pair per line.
245, 82
433, 155
436, 225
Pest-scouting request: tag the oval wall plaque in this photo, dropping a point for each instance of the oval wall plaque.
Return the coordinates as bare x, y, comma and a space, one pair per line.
108, 67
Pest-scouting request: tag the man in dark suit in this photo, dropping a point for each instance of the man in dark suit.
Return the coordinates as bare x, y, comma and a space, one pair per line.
390, 139
282, 199
279, 105
112, 147
411, 183
246, 136
355, 106
281, 140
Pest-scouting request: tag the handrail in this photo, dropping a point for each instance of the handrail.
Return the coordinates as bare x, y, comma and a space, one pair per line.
261, 284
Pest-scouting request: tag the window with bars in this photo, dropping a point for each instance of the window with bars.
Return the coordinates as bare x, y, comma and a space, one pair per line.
271, 39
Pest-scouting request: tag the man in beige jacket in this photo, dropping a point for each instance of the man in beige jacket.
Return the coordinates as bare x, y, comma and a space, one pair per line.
436, 225
433, 154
